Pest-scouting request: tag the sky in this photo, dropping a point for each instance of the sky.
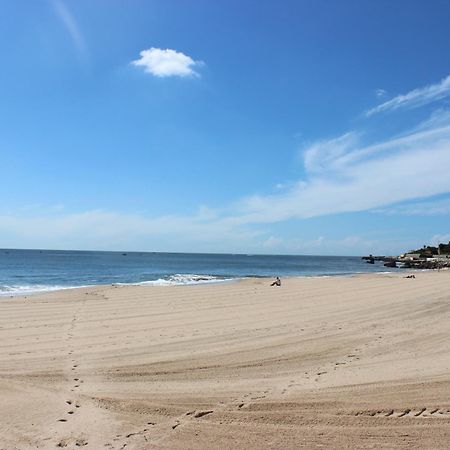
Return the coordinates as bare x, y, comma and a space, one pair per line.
291, 127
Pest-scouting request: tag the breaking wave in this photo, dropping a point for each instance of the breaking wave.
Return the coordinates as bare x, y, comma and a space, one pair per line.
183, 279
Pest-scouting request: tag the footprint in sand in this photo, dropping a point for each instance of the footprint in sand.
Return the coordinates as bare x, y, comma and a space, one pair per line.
78, 442
202, 413
408, 413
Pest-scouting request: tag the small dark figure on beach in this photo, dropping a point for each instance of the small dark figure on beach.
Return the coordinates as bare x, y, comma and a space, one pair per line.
410, 276
277, 282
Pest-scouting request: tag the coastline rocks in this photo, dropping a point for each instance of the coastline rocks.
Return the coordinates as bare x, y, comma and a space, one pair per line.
391, 263
408, 263
420, 264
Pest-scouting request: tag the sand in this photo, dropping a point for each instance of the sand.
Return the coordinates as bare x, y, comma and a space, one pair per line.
334, 363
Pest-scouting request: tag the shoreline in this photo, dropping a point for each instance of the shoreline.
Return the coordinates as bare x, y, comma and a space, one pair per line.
322, 362
31, 271
163, 283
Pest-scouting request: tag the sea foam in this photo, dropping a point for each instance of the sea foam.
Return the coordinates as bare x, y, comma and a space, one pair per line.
18, 290
184, 279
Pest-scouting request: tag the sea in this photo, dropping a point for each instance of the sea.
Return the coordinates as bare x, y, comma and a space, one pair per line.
32, 271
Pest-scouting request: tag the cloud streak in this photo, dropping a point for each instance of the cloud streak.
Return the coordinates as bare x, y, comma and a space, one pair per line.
345, 177
105, 230
424, 208
415, 98
72, 28
99, 229
166, 63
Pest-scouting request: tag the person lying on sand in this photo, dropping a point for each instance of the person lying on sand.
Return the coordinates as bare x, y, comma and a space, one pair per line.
410, 276
277, 282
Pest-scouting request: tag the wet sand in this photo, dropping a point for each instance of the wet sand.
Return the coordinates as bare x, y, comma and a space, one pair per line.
336, 363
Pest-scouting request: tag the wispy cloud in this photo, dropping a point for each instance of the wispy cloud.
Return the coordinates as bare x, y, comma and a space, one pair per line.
348, 245
342, 176
71, 25
414, 98
97, 230
423, 208
345, 176
380, 93
324, 154
167, 63
115, 230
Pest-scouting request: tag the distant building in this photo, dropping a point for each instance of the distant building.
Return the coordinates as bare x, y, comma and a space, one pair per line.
412, 256
439, 257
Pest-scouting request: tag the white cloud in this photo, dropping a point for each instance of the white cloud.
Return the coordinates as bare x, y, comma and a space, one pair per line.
380, 93
338, 153
98, 229
323, 154
166, 63
346, 177
414, 98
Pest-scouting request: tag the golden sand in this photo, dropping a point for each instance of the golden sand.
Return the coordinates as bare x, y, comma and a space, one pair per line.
334, 363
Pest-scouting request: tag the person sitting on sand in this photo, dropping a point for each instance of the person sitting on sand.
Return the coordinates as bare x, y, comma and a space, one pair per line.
277, 282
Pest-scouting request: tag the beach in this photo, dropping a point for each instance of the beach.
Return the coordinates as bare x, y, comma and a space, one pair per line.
321, 362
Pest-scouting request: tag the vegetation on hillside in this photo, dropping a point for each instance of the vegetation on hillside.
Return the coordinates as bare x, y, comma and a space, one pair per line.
428, 250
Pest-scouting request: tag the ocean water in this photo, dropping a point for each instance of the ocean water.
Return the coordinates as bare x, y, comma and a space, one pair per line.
29, 271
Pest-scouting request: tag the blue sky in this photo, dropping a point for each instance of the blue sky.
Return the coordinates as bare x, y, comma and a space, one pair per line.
298, 127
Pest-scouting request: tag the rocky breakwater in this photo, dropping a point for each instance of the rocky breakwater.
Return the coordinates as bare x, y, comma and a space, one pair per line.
425, 258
